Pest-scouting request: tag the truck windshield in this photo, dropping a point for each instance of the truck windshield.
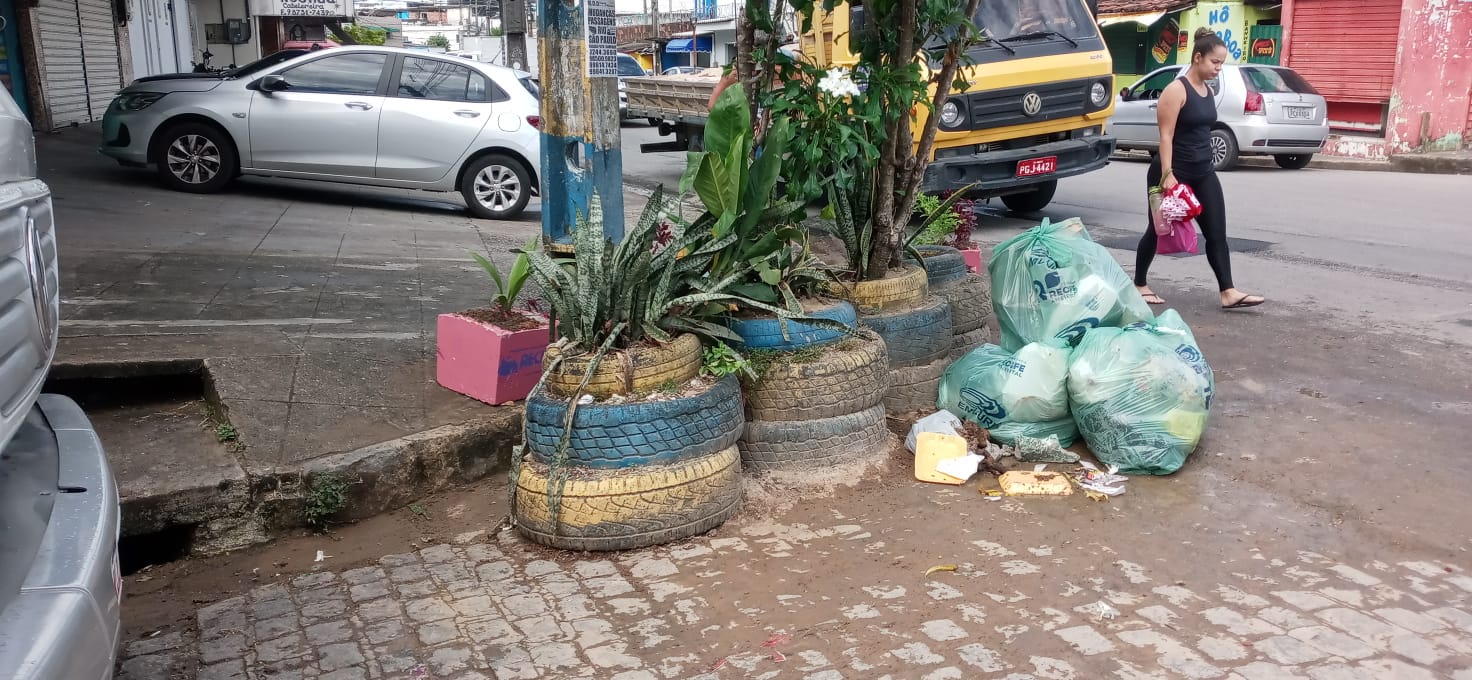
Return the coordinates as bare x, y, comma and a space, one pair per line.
1034, 19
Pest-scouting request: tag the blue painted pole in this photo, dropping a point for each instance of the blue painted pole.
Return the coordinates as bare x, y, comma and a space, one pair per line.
581, 156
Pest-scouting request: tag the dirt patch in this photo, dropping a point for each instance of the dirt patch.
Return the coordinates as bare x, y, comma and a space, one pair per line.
774, 493
167, 597
513, 320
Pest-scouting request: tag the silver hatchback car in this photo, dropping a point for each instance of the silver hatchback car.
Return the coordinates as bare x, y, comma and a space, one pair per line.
373, 116
1261, 110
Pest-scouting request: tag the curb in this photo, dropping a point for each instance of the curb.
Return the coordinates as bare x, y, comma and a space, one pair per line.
254, 503
1321, 162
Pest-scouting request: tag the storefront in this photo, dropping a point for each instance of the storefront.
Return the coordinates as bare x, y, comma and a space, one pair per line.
1347, 50
68, 59
12, 65
1144, 35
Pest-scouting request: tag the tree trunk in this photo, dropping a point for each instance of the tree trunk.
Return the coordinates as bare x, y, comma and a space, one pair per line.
897, 140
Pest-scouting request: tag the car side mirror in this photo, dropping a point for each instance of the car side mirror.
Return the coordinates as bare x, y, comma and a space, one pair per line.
274, 83
1124, 94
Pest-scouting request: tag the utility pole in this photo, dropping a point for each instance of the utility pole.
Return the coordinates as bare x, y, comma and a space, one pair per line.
513, 32
581, 156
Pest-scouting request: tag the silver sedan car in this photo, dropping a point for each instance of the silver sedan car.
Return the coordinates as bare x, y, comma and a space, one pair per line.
373, 116
1261, 110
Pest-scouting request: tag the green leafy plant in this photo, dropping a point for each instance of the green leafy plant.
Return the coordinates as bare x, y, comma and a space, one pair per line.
327, 497
759, 242
909, 53
225, 433
438, 40
719, 361
508, 287
366, 35
942, 224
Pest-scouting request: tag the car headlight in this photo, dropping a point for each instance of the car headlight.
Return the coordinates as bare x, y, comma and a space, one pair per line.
1099, 95
950, 114
137, 101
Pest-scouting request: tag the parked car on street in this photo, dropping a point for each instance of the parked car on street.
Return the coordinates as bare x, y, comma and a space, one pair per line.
680, 70
59, 579
1262, 110
375, 116
628, 67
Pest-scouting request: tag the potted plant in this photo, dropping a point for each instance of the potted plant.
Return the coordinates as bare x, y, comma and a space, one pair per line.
626, 443
493, 354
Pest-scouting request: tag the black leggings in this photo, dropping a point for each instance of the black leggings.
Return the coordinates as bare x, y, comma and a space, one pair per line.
1213, 221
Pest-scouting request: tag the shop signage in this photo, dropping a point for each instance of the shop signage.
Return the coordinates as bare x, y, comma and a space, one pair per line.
1265, 48
302, 8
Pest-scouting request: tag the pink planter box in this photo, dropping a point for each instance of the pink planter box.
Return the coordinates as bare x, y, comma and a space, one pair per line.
973, 259
487, 362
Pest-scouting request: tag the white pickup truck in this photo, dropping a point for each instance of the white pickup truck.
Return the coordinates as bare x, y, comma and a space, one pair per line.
678, 103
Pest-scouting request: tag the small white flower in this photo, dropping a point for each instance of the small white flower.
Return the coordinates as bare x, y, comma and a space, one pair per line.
838, 83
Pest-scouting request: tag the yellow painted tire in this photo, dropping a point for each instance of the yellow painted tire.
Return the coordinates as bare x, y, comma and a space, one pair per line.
633, 507
642, 369
903, 289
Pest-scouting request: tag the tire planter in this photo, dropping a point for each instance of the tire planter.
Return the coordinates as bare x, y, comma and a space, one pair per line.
821, 442
944, 265
616, 436
632, 507
915, 388
914, 337
640, 369
971, 303
838, 382
766, 333
902, 289
963, 343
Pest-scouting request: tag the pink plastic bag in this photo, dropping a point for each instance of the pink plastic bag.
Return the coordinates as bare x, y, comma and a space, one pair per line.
1181, 239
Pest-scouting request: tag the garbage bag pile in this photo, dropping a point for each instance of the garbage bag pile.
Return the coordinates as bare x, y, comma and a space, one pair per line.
1012, 395
1082, 354
1054, 281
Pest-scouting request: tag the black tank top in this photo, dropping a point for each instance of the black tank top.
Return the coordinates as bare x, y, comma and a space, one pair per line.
1191, 152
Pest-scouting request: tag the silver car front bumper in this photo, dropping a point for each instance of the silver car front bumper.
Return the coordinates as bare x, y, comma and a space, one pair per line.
64, 622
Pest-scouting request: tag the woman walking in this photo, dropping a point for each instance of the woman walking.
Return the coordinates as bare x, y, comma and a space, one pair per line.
1186, 113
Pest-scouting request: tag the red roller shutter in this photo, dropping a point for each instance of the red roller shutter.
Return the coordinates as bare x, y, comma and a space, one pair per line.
1346, 48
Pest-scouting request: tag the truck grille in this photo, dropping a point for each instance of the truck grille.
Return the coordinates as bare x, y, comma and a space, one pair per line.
1000, 108
29, 299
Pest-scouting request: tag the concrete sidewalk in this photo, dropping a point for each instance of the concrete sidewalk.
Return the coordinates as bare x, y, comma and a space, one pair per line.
311, 309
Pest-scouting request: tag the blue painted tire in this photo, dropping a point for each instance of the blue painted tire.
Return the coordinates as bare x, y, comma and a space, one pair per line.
944, 265
613, 436
766, 333
914, 337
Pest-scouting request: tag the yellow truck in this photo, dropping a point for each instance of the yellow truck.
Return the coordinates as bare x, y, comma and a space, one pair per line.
1040, 90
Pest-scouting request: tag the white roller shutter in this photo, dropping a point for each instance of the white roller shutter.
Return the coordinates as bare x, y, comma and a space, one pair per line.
79, 55
100, 48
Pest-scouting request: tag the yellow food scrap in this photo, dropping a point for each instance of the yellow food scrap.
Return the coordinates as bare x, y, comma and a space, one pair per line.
940, 567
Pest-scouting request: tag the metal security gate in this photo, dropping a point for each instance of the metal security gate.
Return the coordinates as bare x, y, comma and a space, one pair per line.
1346, 50
160, 38
80, 66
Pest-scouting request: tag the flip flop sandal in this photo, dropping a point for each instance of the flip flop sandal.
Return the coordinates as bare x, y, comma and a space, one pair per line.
1245, 302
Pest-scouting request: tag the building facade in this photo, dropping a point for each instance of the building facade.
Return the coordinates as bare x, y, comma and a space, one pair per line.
1397, 73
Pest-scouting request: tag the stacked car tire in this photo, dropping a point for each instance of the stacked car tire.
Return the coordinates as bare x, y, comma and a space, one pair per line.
637, 473
916, 329
819, 412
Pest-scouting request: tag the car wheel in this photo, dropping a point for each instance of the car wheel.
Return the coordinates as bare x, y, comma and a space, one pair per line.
496, 187
1293, 161
1032, 201
1223, 149
195, 158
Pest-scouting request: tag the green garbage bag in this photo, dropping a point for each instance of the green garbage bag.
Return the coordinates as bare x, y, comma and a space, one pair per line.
1141, 394
1012, 394
1054, 281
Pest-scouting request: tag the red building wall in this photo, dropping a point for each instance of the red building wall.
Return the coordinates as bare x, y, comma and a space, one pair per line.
1433, 78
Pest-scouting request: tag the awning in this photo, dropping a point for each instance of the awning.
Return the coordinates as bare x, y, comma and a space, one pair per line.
700, 44
1144, 18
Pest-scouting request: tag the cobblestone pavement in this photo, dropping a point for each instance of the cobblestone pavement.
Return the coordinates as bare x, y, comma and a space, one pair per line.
849, 597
